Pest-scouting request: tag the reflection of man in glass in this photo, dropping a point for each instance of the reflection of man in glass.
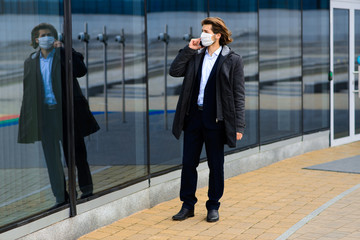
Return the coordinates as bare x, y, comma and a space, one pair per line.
210, 110
43, 110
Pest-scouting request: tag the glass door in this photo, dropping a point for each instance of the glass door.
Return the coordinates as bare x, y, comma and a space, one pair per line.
345, 62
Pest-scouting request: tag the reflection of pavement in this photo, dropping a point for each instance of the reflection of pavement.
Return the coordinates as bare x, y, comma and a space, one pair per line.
27, 191
281, 201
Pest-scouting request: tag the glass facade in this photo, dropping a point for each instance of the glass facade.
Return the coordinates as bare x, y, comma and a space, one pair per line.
341, 71
116, 91
280, 69
316, 65
129, 99
32, 166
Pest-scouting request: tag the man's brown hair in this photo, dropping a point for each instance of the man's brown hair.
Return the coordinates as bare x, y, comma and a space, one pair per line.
218, 26
35, 33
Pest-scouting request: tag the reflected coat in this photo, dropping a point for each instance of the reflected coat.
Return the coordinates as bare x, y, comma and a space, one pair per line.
30, 113
230, 90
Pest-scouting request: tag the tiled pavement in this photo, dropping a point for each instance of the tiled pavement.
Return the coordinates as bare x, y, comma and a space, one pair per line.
281, 201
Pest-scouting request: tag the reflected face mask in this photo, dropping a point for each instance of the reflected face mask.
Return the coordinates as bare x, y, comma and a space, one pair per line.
206, 39
46, 42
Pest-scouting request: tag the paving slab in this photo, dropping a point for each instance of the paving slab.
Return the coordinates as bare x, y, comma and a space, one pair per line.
281, 201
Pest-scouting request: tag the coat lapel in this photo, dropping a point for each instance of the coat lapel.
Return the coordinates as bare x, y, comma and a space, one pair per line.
36, 61
224, 53
198, 58
55, 63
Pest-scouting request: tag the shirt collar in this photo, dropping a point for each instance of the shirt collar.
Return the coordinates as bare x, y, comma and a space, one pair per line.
51, 54
216, 53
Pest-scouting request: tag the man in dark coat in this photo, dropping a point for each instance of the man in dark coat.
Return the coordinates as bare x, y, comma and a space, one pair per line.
43, 111
210, 110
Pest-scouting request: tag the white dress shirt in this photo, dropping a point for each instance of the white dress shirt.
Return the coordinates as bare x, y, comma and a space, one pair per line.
207, 66
45, 68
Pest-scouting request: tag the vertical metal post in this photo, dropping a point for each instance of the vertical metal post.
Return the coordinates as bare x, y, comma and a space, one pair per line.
165, 78
87, 62
188, 36
147, 142
165, 38
121, 39
105, 81
85, 37
123, 74
103, 38
70, 105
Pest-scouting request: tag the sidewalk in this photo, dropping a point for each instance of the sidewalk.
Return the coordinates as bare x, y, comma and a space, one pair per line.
281, 201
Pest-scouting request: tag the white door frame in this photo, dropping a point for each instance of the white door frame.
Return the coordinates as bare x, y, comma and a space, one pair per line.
350, 5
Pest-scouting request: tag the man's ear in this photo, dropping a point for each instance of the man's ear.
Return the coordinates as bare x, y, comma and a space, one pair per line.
218, 35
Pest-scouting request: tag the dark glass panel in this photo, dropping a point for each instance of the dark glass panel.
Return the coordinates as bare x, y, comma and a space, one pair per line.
32, 174
280, 69
316, 65
116, 90
341, 73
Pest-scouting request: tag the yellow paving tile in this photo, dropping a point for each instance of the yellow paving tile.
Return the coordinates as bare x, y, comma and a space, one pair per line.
139, 237
125, 233
160, 237
187, 233
261, 204
225, 236
98, 235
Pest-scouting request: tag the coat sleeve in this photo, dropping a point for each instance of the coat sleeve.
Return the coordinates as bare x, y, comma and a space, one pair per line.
239, 95
28, 125
179, 65
79, 68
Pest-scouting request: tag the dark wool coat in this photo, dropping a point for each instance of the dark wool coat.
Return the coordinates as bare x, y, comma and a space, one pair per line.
230, 90
30, 113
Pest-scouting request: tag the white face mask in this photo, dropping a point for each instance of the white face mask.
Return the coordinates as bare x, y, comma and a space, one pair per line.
46, 42
206, 39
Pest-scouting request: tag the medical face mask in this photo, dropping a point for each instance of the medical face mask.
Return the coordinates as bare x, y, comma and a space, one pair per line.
206, 39
46, 42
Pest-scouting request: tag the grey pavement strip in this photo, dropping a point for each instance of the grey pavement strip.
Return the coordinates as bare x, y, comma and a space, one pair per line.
347, 165
312, 215
44, 188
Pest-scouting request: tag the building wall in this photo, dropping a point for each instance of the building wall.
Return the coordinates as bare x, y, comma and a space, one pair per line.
285, 48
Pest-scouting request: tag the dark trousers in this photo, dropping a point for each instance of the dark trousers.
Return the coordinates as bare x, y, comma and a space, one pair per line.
195, 135
82, 165
51, 131
51, 136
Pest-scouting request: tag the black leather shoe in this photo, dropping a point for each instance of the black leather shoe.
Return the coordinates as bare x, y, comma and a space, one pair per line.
212, 216
183, 214
58, 204
86, 195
